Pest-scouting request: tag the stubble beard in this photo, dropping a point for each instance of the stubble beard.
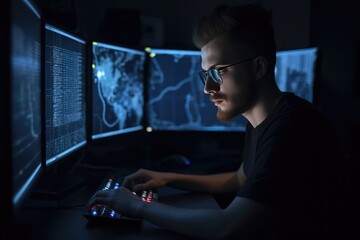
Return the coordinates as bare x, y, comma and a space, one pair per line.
242, 105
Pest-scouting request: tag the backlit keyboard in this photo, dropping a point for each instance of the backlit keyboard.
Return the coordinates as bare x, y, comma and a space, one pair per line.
103, 212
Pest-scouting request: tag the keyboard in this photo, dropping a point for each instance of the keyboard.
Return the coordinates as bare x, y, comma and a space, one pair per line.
104, 213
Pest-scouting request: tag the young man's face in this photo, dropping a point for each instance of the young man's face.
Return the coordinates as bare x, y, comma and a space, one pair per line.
235, 95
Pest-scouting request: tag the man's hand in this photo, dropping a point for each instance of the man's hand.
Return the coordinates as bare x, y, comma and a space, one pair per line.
144, 180
121, 200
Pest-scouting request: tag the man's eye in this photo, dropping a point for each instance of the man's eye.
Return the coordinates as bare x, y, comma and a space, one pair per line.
221, 71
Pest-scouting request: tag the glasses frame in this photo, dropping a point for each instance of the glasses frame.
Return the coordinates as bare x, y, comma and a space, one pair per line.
215, 74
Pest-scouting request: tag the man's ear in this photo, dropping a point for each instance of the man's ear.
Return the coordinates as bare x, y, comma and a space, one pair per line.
261, 65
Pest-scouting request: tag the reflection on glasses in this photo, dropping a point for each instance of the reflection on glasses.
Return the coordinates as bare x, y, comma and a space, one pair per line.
215, 73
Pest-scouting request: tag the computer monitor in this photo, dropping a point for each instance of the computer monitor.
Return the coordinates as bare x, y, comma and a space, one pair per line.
117, 90
20, 106
65, 93
295, 71
176, 98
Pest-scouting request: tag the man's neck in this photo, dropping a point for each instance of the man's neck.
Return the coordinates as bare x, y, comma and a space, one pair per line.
263, 106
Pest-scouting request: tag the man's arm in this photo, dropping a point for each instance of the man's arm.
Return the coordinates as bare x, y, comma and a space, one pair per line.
213, 183
238, 221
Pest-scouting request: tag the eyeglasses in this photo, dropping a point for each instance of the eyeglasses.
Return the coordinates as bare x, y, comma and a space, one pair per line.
215, 73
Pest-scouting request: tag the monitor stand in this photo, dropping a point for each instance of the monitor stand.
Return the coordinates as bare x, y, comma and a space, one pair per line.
58, 182
57, 187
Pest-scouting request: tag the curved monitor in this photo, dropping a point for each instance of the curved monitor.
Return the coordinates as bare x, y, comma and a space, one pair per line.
117, 90
295, 71
65, 97
20, 106
177, 101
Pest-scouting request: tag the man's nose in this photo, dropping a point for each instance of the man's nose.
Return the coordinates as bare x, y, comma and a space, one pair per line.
210, 86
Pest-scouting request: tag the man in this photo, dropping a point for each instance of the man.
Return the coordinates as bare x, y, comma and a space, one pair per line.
281, 183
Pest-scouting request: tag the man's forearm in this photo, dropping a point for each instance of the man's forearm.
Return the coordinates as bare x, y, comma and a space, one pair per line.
190, 222
235, 222
215, 183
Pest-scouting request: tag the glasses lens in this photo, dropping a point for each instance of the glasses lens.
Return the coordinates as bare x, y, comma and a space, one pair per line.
215, 76
203, 76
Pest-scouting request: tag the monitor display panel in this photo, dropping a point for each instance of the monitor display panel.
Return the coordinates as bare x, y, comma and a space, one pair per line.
117, 90
176, 99
295, 71
25, 98
65, 96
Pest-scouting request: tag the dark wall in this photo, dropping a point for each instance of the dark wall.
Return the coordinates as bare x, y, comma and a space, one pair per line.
291, 18
336, 30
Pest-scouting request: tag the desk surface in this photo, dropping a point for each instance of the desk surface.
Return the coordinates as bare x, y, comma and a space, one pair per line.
65, 220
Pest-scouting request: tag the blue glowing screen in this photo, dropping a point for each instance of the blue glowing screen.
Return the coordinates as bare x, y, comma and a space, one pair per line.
118, 90
65, 98
25, 97
295, 71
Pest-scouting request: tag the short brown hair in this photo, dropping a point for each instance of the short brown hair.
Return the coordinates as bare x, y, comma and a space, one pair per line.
249, 24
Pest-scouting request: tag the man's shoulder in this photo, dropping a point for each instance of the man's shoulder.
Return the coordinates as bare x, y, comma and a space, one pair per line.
291, 101
299, 108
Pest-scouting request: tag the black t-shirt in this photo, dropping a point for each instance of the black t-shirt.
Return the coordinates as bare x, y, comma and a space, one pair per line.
287, 160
